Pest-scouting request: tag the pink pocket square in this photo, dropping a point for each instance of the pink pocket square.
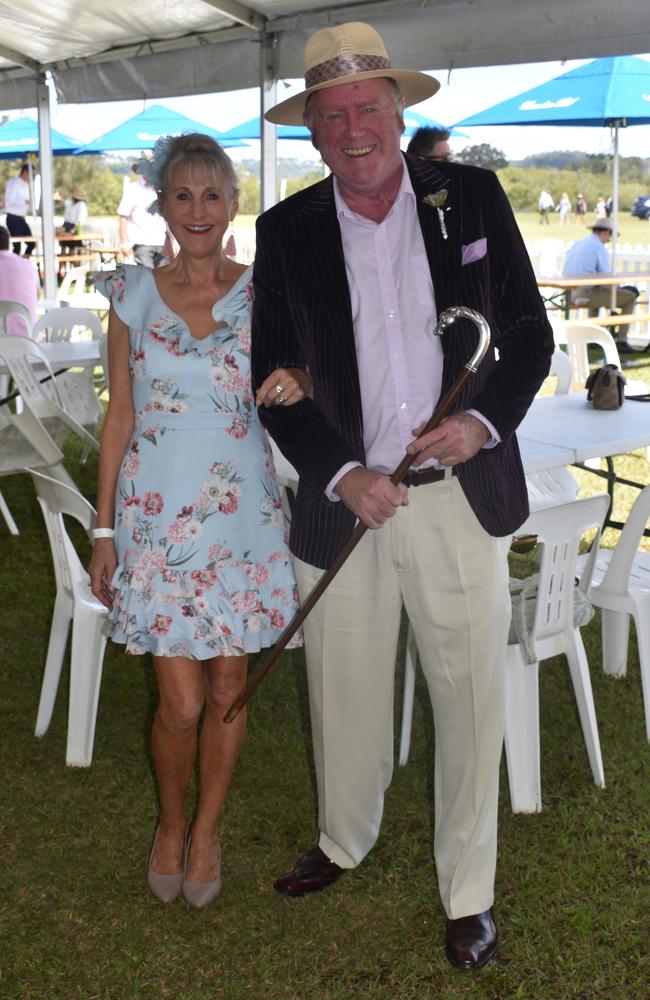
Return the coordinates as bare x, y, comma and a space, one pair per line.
474, 251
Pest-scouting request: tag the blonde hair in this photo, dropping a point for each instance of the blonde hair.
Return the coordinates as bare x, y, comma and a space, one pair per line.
197, 149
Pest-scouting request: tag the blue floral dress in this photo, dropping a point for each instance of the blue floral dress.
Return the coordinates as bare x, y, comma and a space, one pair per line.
203, 565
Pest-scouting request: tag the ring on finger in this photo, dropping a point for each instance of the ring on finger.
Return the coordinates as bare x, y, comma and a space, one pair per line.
279, 388
281, 399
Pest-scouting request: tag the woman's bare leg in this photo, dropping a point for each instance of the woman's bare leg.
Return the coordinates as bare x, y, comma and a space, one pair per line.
220, 744
173, 744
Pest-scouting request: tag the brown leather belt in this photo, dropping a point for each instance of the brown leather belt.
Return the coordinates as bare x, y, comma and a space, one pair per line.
417, 477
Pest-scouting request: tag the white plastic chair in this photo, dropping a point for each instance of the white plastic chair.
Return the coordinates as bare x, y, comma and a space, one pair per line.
67, 323
74, 605
579, 337
562, 368
546, 488
620, 586
73, 283
57, 411
553, 630
18, 454
9, 308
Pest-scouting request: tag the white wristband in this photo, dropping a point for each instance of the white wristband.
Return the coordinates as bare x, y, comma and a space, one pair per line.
103, 533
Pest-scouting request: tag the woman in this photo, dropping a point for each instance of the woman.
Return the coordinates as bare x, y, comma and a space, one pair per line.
75, 217
190, 554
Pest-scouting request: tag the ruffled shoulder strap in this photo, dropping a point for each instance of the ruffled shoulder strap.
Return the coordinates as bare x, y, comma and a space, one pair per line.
128, 288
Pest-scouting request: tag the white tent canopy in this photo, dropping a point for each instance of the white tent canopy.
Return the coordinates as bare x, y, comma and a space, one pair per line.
97, 51
123, 50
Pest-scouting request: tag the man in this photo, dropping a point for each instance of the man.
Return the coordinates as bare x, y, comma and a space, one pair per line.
141, 233
589, 256
350, 275
17, 205
545, 203
18, 283
430, 143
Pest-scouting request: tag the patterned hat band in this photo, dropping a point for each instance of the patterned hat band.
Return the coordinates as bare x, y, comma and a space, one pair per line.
340, 66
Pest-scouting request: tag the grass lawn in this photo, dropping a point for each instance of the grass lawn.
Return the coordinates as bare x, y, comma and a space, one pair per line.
77, 921
631, 230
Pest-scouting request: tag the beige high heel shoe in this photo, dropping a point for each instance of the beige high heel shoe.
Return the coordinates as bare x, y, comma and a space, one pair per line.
167, 887
200, 894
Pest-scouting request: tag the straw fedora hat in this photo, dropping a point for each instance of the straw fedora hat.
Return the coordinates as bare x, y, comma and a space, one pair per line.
78, 193
349, 53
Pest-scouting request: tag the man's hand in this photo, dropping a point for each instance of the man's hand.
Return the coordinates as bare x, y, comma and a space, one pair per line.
457, 439
371, 496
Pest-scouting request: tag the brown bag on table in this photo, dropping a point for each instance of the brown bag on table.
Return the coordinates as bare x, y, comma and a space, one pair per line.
605, 388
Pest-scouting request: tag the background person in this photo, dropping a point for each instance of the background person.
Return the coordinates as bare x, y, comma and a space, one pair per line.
17, 205
19, 282
141, 233
431, 143
190, 556
75, 217
545, 205
589, 256
349, 277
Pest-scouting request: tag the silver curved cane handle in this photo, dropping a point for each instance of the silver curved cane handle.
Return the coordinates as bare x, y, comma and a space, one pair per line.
450, 316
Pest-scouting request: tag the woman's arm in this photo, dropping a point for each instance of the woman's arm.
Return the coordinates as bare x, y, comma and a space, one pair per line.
116, 432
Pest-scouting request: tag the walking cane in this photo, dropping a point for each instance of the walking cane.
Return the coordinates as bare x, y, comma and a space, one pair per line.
448, 317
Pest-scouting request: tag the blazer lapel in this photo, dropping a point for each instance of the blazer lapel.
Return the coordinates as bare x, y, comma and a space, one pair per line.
437, 196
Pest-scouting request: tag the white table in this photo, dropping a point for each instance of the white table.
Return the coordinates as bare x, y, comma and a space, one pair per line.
568, 422
72, 353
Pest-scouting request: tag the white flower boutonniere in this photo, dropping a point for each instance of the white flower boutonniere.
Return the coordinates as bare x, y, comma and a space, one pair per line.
437, 201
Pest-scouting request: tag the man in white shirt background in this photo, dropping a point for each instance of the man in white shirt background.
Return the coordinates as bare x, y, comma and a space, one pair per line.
17, 205
141, 233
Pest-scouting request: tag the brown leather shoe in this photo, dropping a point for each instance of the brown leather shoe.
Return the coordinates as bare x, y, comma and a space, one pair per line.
311, 873
471, 941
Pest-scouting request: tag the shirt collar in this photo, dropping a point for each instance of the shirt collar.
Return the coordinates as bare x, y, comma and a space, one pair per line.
404, 193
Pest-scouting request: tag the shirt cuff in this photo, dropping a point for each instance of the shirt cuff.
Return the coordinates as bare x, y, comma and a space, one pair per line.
495, 437
331, 486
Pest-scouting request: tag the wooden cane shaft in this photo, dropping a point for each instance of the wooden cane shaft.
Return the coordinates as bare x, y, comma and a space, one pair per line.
441, 411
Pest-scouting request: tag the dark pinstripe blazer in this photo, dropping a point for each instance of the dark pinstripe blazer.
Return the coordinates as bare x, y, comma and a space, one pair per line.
302, 317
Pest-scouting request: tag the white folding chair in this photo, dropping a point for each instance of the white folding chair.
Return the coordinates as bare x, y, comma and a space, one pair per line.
550, 625
75, 605
620, 586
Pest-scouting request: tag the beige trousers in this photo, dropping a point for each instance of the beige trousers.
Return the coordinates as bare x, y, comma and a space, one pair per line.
453, 580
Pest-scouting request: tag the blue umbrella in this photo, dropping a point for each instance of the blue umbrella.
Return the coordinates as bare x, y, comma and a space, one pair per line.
602, 92
413, 121
142, 130
251, 130
614, 91
20, 136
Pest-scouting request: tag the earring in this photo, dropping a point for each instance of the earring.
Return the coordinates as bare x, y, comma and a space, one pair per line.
230, 247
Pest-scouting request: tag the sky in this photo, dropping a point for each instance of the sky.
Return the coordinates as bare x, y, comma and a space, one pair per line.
463, 92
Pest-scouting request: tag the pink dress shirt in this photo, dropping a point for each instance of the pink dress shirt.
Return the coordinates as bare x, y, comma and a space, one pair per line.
18, 283
393, 304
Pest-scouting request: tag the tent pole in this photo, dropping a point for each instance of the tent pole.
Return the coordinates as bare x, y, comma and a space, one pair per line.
47, 188
268, 132
615, 185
